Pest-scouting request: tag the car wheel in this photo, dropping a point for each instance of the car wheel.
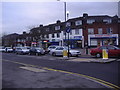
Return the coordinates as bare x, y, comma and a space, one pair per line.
70, 54
53, 54
98, 55
37, 54
29, 53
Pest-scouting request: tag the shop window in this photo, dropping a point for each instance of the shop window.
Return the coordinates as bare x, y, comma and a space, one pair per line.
77, 31
90, 21
79, 22
100, 31
90, 31
109, 31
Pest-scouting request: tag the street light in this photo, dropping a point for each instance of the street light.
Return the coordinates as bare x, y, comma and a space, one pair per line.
68, 31
65, 18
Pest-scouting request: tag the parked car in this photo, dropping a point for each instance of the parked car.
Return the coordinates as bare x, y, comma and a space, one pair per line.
36, 51
22, 50
59, 51
112, 51
2, 49
51, 47
8, 49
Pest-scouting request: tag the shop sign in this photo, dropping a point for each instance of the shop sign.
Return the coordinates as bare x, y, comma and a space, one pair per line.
34, 42
77, 37
105, 35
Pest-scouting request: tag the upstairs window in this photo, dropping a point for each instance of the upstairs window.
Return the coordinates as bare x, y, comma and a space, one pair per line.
47, 29
68, 24
107, 21
58, 35
79, 22
77, 31
47, 36
90, 21
90, 31
100, 31
109, 30
57, 27
53, 35
70, 32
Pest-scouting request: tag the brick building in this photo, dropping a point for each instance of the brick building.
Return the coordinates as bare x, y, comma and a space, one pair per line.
84, 31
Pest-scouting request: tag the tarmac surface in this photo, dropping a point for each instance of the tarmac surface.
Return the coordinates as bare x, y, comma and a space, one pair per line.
19, 76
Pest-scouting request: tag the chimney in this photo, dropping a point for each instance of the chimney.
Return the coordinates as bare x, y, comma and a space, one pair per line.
41, 25
85, 15
58, 21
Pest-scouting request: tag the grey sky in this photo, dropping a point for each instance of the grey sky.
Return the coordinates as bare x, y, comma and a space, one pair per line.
21, 16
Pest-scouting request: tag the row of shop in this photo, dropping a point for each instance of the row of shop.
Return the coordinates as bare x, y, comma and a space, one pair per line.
93, 40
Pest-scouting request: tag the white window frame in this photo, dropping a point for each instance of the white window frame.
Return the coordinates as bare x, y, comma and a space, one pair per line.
77, 32
68, 24
110, 30
100, 31
57, 27
90, 21
90, 30
107, 21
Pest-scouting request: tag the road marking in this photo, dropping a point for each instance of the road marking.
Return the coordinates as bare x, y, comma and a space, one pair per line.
110, 85
33, 69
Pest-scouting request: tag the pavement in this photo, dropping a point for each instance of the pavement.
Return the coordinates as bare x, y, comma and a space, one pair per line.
88, 58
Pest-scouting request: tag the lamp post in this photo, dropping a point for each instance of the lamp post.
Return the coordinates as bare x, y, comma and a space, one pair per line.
65, 20
68, 31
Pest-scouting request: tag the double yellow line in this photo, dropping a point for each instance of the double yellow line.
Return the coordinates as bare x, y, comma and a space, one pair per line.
107, 84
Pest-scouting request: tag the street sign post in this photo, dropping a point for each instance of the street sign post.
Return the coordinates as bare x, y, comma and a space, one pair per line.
68, 31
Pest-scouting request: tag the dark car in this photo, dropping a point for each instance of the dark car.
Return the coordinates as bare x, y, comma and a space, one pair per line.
36, 51
112, 51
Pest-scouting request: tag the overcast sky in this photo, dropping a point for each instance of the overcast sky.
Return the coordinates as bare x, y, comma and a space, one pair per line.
21, 16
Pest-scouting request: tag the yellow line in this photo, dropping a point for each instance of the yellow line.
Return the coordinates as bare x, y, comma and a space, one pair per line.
89, 77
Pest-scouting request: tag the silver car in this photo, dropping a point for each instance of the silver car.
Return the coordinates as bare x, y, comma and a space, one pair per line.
59, 51
8, 49
21, 50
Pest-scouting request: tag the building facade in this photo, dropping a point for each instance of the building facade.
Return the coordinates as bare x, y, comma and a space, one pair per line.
83, 31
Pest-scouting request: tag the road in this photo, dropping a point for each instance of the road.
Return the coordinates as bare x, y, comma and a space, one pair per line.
107, 72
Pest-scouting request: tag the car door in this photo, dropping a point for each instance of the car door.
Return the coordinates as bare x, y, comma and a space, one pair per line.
59, 51
112, 51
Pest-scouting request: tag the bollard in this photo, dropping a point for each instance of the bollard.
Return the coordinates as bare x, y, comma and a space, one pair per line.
65, 56
105, 53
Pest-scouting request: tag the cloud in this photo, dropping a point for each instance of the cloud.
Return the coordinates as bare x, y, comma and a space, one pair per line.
18, 16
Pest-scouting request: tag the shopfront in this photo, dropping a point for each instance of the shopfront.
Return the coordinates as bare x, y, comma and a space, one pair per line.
76, 42
104, 39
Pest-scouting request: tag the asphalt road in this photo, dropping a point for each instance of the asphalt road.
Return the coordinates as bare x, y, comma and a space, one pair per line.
108, 71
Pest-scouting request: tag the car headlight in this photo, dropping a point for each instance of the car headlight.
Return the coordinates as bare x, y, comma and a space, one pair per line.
38, 50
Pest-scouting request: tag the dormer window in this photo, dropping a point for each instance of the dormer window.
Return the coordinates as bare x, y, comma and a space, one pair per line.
79, 22
90, 21
107, 20
47, 29
57, 27
68, 24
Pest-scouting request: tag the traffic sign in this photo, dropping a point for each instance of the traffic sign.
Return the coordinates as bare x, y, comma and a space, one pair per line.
68, 29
